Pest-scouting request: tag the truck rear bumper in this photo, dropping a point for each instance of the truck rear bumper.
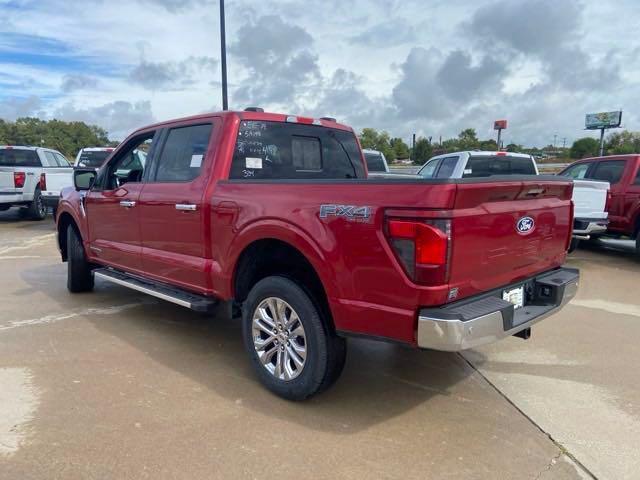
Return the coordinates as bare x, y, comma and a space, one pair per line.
487, 318
584, 227
51, 200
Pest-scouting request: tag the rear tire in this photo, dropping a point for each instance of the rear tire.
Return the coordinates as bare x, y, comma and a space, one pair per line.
638, 247
292, 349
574, 244
37, 210
79, 276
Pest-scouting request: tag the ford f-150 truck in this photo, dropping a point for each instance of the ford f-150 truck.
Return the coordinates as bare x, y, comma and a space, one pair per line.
275, 214
32, 177
622, 172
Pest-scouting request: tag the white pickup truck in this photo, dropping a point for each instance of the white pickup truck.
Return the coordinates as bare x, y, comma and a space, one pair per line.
589, 197
32, 177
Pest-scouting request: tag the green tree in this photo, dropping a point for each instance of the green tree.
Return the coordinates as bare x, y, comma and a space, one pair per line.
584, 147
400, 148
468, 139
515, 148
422, 152
489, 145
371, 138
67, 137
620, 143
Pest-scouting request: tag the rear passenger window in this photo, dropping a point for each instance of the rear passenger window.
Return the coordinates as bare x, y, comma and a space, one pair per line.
577, 172
637, 181
278, 150
62, 162
429, 170
610, 171
50, 160
447, 166
183, 153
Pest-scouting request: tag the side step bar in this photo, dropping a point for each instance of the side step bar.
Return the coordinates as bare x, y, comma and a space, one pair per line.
196, 302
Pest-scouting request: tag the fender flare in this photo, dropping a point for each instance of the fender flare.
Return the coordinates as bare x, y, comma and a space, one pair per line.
285, 232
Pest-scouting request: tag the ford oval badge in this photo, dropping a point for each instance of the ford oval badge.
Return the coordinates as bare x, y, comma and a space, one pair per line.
525, 225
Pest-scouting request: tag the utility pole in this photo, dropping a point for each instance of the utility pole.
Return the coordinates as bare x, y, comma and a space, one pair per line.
555, 136
602, 141
564, 142
223, 58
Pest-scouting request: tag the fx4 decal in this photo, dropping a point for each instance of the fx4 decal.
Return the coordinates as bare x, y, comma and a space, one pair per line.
350, 212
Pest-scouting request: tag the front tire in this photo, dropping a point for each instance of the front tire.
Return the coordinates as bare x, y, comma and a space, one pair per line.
37, 209
79, 276
291, 346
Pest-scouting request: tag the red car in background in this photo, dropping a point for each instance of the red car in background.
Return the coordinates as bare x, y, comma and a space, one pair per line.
623, 174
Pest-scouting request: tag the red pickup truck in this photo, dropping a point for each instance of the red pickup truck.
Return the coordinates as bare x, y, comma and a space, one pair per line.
623, 174
275, 213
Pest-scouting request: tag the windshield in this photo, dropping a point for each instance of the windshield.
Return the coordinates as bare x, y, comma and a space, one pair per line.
486, 166
10, 157
93, 158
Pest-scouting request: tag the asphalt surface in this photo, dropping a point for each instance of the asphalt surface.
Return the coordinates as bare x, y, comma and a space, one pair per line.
113, 384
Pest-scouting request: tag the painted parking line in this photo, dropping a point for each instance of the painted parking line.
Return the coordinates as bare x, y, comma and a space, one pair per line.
47, 319
608, 306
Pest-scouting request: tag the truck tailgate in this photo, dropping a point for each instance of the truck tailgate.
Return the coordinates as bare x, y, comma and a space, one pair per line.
6, 179
57, 179
501, 235
590, 198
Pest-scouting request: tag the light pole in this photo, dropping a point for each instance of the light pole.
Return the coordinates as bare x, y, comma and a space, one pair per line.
223, 58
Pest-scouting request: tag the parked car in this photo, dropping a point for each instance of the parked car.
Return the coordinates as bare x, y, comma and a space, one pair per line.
376, 161
589, 198
92, 156
622, 172
477, 164
274, 213
32, 177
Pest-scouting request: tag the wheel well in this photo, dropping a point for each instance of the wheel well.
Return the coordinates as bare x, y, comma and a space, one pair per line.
267, 257
63, 223
636, 230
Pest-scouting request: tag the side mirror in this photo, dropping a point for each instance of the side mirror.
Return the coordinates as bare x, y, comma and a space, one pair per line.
83, 178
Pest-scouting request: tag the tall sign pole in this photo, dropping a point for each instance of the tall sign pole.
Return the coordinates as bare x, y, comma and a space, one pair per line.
499, 125
223, 58
602, 142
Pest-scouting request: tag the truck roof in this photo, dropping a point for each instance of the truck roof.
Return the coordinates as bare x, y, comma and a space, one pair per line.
608, 157
485, 153
257, 116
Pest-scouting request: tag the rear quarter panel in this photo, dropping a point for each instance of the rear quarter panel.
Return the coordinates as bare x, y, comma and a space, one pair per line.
367, 289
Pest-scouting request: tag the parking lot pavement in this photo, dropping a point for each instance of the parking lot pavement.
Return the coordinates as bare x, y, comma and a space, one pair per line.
577, 377
112, 384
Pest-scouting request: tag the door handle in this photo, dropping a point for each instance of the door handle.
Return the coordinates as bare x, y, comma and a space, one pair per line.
127, 203
186, 207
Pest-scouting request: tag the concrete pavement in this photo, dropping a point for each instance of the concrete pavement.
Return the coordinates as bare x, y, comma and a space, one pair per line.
114, 384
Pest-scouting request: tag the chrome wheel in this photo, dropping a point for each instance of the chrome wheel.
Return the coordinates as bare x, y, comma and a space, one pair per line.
279, 338
42, 209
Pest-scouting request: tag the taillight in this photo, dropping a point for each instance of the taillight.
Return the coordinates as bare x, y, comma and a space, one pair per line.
422, 247
43, 182
607, 204
18, 179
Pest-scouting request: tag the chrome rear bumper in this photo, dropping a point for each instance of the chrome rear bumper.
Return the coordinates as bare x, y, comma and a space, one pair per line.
487, 318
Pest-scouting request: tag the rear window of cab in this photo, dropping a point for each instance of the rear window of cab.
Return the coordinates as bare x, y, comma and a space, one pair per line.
486, 166
280, 150
17, 157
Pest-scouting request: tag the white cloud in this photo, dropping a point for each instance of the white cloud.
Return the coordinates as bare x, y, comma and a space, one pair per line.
388, 64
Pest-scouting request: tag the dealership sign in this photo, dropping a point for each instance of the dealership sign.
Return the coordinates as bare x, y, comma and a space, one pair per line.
499, 124
596, 121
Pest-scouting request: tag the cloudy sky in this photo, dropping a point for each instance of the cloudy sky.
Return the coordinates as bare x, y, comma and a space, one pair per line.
429, 67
